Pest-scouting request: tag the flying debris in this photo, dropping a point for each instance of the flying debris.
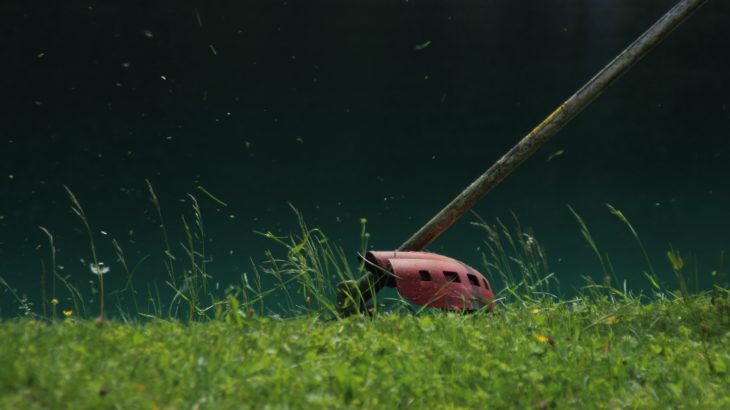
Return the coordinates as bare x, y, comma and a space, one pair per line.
419, 47
556, 154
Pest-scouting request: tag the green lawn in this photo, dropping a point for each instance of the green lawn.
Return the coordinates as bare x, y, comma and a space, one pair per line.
206, 349
670, 353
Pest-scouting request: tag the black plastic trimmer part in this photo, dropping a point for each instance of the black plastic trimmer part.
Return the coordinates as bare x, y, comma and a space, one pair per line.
353, 295
362, 289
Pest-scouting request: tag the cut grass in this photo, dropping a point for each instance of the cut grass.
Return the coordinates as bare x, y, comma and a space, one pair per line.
581, 354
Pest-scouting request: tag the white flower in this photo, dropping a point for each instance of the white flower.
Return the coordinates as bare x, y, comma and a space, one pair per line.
99, 268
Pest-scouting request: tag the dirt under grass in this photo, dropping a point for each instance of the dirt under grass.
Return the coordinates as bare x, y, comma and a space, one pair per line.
578, 354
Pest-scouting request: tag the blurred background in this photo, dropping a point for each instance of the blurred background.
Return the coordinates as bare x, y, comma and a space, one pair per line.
382, 110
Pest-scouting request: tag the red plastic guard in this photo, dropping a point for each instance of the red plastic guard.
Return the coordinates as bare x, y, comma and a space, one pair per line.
430, 279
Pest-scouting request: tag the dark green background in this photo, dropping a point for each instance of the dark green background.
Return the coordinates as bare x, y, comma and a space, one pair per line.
329, 106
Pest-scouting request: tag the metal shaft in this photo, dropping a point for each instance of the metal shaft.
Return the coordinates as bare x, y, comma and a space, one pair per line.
551, 125
532, 141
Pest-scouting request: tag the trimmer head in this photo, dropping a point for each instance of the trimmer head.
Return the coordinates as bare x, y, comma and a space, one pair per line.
430, 279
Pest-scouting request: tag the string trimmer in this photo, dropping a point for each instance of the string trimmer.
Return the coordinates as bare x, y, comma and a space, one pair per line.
429, 279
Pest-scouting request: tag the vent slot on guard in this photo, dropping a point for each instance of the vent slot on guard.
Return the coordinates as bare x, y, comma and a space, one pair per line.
452, 276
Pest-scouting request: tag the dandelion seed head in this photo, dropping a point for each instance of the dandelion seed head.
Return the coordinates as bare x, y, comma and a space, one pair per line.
98, 268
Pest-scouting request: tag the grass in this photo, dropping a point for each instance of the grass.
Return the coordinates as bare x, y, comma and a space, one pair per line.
577, 354
285, 345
